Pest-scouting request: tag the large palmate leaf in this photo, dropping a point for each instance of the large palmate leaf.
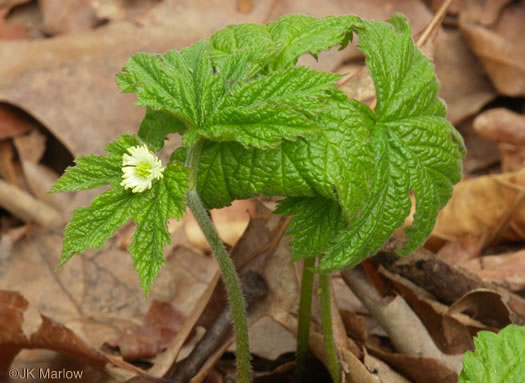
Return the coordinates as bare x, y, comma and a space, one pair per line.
405, 146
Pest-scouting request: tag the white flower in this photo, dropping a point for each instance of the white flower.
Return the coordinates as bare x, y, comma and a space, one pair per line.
140, 168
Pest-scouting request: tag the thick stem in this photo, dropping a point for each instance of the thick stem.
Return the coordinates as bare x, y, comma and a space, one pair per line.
326, 322
305, 310
229, 274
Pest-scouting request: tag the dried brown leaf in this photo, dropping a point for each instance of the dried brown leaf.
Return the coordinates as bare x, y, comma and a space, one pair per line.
11, 31
69, 83
417, 368
464, 84
488, 206
9, 4
162, 322
452, 332
12, 122
482, 153
449, 282
230, 221
393, 314
501, 125
500, 47
23, 327
507, 128
68, 17
505, 269
486, 306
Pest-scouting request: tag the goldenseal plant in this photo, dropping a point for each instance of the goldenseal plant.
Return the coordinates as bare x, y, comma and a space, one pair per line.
254, 123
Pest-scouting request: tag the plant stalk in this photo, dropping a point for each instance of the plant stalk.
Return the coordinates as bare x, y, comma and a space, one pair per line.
305, 311
326, 322
228, 272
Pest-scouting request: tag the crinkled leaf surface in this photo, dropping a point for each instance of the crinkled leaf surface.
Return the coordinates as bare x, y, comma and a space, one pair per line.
366, 162
316, 222
294, 35
92, 226
317, 165
416, 149
499, 358
156, 125
240, 86
272, 128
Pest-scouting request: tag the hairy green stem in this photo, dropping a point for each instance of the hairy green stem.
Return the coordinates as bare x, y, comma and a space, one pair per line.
326, 322
229, 274
303, 327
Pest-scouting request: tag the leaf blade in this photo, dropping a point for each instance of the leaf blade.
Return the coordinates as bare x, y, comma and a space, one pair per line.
499, 358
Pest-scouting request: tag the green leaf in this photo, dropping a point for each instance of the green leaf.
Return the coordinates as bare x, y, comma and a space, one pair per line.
235, 38
92, 226
499, 358
416, 149
90, 172
157, 125
243, 64
334, 163
93, 171
293, 35
289, 85
263, 112
368, 163
227, 105
300, 34
212, 87
316, 221
148, 242
162, 83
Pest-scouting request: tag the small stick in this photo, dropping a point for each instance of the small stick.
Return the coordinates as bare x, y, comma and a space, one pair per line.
26, 207
254, 288
434, 23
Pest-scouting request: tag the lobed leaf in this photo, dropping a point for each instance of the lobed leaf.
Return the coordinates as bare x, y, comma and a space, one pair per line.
241, 84
93, 171
92, 226
162, 83
405, 146
294, 35
499, 358
416, 148
332, 163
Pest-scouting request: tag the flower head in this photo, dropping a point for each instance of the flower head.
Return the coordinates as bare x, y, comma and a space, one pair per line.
140, 167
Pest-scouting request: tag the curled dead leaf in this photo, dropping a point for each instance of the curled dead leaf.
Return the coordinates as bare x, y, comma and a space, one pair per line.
485, 305
23, 327
452, 334
508, 129
501, 125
